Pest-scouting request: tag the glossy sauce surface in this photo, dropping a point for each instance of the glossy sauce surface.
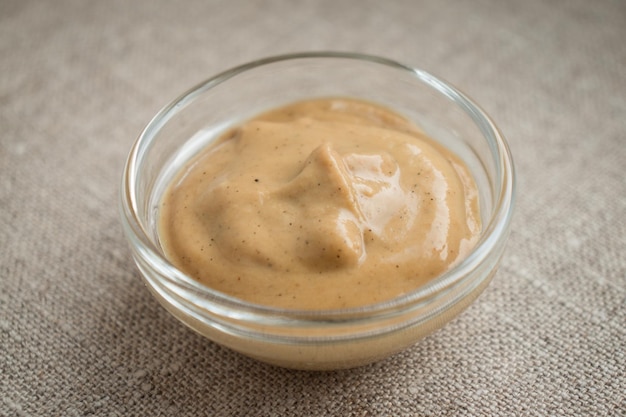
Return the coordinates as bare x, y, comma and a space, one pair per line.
321, 204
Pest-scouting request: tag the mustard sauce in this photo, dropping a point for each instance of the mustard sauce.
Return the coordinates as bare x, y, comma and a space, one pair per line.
321, 204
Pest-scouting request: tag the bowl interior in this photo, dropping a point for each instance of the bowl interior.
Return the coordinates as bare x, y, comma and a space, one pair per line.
198, 117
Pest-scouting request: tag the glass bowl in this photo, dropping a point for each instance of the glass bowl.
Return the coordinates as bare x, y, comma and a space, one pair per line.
328, 339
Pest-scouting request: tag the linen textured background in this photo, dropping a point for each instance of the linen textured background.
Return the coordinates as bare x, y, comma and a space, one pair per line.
79, 333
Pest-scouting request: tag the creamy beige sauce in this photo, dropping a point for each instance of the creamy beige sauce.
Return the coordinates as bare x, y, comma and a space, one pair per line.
322, 204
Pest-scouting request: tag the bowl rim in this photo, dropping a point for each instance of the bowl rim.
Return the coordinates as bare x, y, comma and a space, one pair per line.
495, 229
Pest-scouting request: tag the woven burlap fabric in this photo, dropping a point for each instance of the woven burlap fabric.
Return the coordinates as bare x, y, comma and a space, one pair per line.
81, 335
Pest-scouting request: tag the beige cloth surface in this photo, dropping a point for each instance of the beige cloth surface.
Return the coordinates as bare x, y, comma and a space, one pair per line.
79, 333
